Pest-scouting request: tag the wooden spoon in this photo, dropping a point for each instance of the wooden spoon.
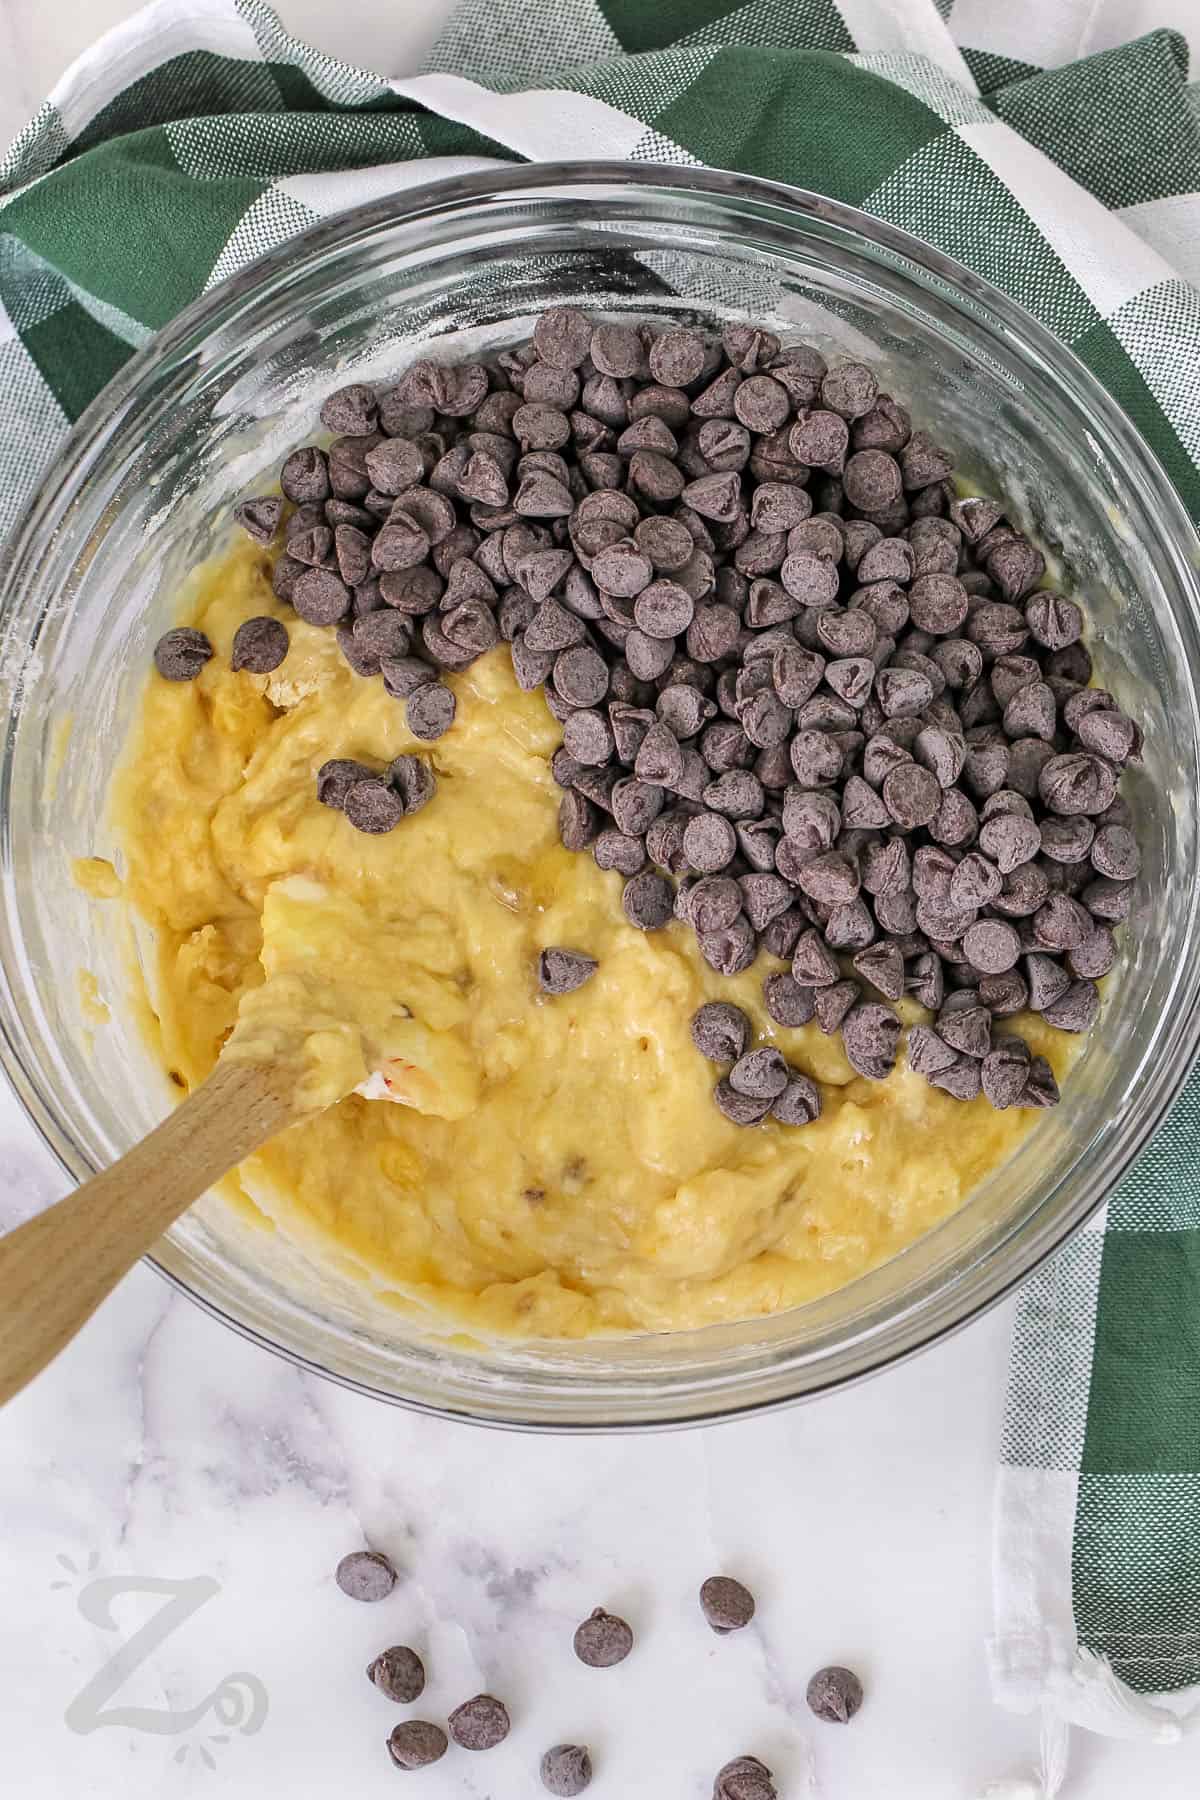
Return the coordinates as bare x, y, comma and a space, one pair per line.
57, 1268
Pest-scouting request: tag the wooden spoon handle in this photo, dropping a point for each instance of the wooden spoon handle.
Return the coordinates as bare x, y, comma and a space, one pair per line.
57, 1268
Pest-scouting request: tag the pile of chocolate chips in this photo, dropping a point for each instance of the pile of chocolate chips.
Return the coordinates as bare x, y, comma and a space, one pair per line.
812, 701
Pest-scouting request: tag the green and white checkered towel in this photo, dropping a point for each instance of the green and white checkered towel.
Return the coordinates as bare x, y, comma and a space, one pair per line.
200, 134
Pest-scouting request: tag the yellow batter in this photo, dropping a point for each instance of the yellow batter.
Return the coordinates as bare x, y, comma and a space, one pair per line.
560, 1168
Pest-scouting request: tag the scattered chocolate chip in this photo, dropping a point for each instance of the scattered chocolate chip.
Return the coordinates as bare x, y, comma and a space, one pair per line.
399, 1674
739, 1109
727, 1605
366, 1575
834, 1694
416, 1743
603, 1640
870, 1034
562, 971
566, 1770
479, 1723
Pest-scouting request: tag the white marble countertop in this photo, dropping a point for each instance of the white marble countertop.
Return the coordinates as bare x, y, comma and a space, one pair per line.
163, 1462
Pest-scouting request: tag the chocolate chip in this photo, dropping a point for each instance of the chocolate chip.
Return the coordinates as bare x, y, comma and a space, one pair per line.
991, 946
578, 821
962, 1080
1077, 783
259, 645
260, 517
562, 971
366, 1575
180, 654
928, 1053
563, 337
1115, 853
413, 780
912, 795
709, 843
1076, 1008
834, 1694
739, 1109
812, 963
720, 1031
745, 1778
634, 804
603, 1640
648, 901
373, 806
416, 1743
731, 949
870, 1034
727, 1605
399, 1674
787, 1002
800, 1101
810, 579
320, 597
566, 1770
305, 476
1005, 1072
967, 1029
759, 1074
479, 1723
882, 965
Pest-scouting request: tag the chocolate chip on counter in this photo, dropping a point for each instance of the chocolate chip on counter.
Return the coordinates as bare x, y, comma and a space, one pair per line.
429, 712
727, 1605
399, 1674
834, 1694
648, 901
181, 653
603, 1640
566, 1770
870, 1034
745, 1778
562, 971
366, 1575
479, 1723
416, 1743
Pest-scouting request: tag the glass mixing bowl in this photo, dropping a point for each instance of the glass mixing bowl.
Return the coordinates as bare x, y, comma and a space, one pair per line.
143, 489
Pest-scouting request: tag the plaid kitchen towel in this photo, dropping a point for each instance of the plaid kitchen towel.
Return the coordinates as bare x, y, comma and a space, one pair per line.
1023, 138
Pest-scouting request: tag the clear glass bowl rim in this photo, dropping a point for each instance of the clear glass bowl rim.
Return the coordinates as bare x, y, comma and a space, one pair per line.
990, 1276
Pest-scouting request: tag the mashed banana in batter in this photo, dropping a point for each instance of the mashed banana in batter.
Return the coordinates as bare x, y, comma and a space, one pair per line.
557, 1167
